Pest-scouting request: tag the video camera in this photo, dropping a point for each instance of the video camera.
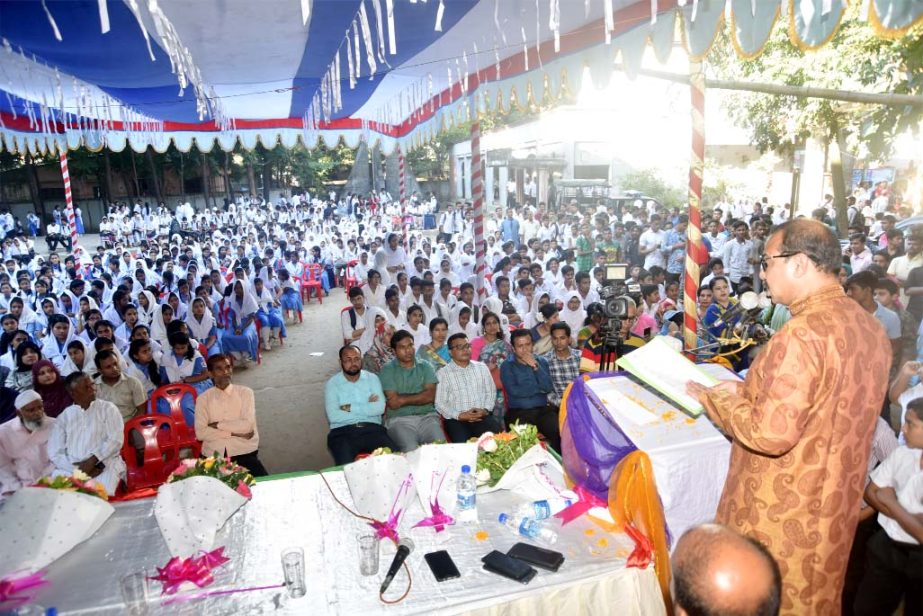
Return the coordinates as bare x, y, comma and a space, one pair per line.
615, 292
614, 296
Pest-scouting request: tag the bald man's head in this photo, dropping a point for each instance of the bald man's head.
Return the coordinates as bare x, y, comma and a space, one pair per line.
717, 571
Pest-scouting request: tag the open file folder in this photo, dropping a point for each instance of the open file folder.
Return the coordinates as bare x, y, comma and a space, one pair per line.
666, 370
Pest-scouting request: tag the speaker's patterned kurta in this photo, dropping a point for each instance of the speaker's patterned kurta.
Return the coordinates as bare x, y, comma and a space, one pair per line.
801, 425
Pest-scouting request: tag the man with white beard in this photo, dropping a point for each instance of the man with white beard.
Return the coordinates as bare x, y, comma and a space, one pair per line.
24, 444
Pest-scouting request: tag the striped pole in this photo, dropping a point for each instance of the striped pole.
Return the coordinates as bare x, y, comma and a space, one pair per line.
68, 197
477, 194
400, 169
695, 249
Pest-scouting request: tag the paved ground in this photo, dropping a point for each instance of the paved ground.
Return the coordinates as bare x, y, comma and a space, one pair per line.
289, 385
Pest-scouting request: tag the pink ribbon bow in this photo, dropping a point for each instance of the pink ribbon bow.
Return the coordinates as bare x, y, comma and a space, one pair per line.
587, 501
13, 589
192, 569
440, 519
388, 528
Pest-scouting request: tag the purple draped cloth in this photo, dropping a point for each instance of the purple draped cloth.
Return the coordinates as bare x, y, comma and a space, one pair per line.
591, 443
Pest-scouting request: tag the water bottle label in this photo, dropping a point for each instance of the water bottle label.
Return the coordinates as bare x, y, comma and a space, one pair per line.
466, 501
542, 510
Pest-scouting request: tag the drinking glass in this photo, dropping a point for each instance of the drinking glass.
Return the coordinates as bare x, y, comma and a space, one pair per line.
368, 554
136, 591
293, 567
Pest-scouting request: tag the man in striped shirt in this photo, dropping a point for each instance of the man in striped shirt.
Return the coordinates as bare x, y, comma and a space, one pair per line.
465, 393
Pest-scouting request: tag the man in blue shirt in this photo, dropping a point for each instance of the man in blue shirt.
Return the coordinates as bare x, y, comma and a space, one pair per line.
527, 382
509, 229
354, 403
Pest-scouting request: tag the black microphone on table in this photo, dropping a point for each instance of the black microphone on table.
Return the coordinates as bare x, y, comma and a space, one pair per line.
404, 548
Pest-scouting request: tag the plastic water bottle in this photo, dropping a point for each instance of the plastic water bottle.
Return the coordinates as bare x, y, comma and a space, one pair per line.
543, 509
527, 527
467, 510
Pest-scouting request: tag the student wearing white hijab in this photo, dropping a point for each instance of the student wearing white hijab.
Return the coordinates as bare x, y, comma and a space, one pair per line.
573, 314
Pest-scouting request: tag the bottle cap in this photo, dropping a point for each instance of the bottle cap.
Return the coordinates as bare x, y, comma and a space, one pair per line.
502, 518
466, 469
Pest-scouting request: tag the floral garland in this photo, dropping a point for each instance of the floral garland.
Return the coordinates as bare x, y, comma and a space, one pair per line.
224, 470
498, 452
78, 482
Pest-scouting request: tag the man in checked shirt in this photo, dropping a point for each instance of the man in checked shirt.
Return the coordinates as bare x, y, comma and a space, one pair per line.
465, 393
563, 362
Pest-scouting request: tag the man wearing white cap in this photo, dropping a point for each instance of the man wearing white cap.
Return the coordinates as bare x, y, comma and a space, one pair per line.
23, 444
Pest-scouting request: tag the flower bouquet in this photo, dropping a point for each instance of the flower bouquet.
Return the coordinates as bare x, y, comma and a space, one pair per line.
381, 486
39, 525
78, 482
515, 460
196, 501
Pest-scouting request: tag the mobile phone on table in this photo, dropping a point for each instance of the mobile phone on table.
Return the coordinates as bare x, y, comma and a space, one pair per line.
501, 564
442, 566
534, 555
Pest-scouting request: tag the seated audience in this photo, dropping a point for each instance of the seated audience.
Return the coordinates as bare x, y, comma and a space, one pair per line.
24, 444
225, 418
410, 389
88, 435
465, 394
355, 404
527, 382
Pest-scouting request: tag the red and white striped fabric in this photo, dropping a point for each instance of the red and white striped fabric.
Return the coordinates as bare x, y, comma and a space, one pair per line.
400, 169
477, 193
695, 249
71, 216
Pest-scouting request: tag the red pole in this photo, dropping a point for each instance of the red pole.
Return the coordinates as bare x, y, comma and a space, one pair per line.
477, 193
68, 197
695, 249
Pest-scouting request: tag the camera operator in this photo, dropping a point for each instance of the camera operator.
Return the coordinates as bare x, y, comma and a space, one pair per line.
599, 350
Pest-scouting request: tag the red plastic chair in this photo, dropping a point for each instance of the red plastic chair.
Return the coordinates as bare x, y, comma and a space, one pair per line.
312, 281
173, 395
349, 278
161, 451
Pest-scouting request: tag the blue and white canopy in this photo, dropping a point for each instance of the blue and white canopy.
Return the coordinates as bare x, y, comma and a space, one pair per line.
147, 72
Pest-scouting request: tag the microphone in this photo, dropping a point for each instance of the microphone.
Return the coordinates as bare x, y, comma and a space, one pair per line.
404, 548
747, 302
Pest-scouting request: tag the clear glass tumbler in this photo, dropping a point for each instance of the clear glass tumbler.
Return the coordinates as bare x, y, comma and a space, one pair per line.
136, 592
368, 554
293, 567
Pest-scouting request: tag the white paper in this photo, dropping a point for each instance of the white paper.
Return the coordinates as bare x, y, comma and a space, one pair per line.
375, 483
536, 475
190, 513
40, 525
435, 472
663, 368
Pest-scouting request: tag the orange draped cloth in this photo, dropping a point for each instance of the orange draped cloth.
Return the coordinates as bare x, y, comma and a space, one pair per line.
801, 426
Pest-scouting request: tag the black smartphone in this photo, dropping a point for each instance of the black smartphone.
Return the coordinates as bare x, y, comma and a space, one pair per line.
534, 555
501, 564
442, 566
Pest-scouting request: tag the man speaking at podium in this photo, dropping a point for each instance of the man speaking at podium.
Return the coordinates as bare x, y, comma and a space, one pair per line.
801, 423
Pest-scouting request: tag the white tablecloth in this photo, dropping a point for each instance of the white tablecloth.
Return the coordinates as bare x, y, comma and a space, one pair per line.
689, 456
300, 512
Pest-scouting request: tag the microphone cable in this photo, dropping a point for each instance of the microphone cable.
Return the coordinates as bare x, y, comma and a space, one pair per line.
381, 595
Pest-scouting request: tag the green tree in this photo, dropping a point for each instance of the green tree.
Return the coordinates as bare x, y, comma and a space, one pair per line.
651, 183
855, 59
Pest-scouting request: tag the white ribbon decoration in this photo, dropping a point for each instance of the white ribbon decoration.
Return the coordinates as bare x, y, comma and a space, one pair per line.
305, 12
103, 15
349, 62
610, 20
379, 26
392, 40
367, 38
54, 26
439, 13
554, 23
357, 47
525, 47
